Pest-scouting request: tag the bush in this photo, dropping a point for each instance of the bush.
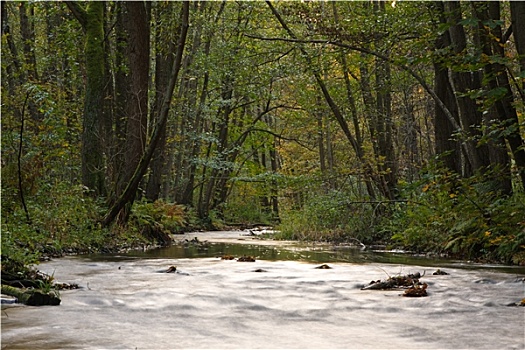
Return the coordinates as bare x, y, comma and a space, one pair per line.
465, 218
157, 220
63, 220
334, 217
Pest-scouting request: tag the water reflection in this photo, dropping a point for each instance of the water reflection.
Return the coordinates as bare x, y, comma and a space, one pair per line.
315, 253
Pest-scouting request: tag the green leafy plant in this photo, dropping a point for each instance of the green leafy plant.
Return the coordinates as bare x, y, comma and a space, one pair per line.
466, 218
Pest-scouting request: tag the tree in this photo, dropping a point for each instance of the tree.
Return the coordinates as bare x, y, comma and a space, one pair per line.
163, 62
136, 25
128, 194
92, 20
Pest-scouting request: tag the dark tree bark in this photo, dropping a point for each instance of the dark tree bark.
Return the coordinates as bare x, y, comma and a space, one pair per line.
13, 66
129, 192
503, 110
136, 25
121, 100
495, 76
448, 149
465, 82
382, 130
27, 31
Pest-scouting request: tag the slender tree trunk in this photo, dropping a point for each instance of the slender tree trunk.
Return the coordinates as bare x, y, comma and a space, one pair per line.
27, 31
163, 61
517, 11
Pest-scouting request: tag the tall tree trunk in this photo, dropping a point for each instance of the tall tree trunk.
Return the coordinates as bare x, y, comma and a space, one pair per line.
516, 141
517, 11
13, 66
92, 20
128, 194
163, 61
385, 155
503, 110
136, 24
27, 31
448, 149
464, 82
494, 77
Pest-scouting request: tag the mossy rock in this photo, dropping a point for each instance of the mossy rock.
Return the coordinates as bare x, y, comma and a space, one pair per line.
33, 297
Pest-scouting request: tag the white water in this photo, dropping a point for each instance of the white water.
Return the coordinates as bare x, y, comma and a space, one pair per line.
213, 303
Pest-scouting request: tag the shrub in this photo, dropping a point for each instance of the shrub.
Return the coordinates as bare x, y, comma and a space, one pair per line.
466, 218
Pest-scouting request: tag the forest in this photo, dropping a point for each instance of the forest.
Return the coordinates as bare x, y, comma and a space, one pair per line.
398, 123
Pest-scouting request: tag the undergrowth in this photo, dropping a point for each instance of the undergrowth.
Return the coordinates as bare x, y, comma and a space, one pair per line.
63, 220
465, 218
334, 216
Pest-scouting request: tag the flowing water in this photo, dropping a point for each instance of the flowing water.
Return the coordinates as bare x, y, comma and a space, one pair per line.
279, 301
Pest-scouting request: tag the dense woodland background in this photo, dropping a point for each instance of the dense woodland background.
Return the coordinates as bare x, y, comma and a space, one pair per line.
385, 122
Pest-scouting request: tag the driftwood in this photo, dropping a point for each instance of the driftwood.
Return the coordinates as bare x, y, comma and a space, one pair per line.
410, 280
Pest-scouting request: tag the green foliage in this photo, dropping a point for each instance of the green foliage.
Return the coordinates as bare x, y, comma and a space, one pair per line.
63, 220
465, 218
167, 216
334, 216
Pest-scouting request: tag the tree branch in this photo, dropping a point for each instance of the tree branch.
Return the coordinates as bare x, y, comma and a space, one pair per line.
79, 12
406, 68
19, 159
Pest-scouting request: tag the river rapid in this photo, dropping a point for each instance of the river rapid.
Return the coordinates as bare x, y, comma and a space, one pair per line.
279, 301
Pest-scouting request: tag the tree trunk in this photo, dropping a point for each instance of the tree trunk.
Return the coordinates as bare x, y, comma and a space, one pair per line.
386, 159
465, 82
494, 77
503, 111
92, 20
137, 28
517, 11
27, 31
448, 149
13, 66
163, 61
128, 194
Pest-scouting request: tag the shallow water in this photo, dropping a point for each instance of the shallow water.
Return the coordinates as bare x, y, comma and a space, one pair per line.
124, 303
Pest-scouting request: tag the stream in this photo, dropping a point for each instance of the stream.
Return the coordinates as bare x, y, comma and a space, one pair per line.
279, 301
